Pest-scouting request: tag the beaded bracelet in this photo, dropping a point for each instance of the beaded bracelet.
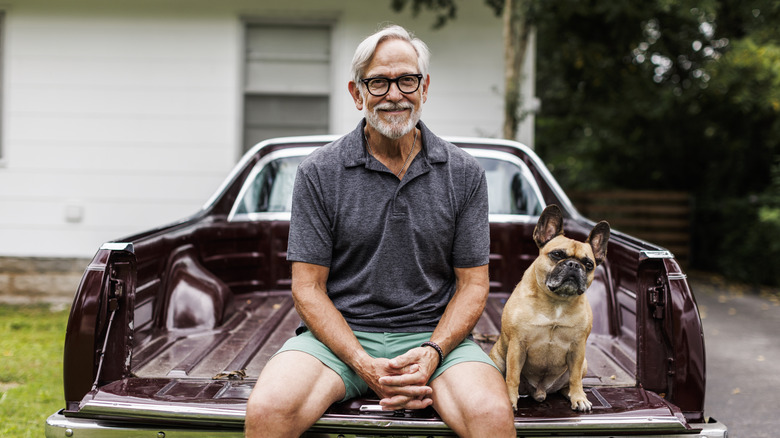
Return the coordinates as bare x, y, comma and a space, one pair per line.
436, 347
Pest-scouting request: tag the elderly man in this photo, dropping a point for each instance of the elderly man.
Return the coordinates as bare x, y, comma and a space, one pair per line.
389, 244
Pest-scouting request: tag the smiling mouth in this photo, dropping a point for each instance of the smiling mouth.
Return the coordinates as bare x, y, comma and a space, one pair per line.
391, 108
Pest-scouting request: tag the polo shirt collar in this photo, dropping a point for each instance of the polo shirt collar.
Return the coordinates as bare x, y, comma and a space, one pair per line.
354, 153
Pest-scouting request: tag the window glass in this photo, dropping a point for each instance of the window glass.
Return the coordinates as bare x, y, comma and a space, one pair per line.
270, 191
267, 116
511, 189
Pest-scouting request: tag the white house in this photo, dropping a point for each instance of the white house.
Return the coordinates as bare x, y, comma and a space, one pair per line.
117, 116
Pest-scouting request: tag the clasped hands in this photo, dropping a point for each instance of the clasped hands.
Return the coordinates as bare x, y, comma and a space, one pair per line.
402, 382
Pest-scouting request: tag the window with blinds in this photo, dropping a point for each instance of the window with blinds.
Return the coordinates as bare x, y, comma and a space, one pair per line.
286, 80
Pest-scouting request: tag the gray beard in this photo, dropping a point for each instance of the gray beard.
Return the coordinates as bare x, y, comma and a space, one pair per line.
397, 126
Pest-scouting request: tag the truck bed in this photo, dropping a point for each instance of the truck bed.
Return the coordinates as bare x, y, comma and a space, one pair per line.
240, 348
202, 379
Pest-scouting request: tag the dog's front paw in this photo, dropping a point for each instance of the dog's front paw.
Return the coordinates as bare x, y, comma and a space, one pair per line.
513, 397
580, 402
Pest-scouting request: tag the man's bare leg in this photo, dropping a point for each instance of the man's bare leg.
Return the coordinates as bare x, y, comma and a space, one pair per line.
471, 398
293, 391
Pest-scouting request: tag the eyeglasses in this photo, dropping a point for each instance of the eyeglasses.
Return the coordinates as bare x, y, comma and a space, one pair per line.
380, 86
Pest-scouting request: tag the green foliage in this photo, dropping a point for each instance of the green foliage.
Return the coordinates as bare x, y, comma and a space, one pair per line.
30, 368
749, 76
745, 246
445, 10
670, 95
616, 80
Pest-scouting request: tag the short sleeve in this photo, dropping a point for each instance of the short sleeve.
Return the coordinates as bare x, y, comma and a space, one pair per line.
310, 239
472, 230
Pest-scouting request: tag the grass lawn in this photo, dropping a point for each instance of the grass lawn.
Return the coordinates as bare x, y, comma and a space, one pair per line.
31, 340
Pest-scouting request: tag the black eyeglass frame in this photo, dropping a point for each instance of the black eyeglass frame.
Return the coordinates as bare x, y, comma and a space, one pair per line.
391, 81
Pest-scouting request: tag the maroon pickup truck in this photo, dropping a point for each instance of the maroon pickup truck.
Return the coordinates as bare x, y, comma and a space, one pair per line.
170, 328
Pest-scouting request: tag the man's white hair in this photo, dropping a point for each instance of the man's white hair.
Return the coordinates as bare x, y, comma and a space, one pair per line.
365, 51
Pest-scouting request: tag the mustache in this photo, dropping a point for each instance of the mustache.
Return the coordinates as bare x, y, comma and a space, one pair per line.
393, 106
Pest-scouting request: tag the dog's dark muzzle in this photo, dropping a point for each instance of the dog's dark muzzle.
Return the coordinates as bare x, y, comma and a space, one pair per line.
568, 278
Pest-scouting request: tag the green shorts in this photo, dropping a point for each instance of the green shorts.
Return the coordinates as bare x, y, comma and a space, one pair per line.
387, 345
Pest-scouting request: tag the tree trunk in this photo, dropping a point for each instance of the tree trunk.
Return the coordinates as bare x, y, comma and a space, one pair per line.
516, 31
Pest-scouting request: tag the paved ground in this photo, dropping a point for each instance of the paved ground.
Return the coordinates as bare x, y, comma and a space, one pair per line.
741, 327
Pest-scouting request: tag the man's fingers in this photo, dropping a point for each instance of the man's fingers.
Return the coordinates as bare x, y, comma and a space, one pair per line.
410, 375
402, 362
419, 404
411, 391
402, 402
410, 357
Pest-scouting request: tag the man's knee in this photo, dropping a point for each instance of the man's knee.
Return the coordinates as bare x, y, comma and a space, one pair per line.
492, 405
490, 412
261, 405
291, 393
498, 409
270, 414
263, 408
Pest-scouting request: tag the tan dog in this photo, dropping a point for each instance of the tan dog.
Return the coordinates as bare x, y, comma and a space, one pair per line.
547, 319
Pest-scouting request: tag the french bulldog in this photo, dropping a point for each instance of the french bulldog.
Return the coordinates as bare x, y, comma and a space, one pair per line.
547, 318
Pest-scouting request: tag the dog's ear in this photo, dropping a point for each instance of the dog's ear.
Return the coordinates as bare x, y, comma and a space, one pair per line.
549, 226
598, 239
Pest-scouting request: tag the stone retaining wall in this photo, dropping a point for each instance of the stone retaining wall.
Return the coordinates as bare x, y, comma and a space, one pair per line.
36, 279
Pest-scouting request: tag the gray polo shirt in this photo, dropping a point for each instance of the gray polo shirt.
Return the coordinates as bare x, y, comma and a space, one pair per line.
391, 245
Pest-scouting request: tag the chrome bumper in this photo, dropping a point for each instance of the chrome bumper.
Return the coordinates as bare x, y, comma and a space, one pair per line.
59, 426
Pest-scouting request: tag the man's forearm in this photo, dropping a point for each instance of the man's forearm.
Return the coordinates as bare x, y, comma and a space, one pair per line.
321, 316
464, 309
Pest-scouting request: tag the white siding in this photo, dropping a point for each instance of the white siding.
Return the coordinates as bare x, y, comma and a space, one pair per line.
121, 116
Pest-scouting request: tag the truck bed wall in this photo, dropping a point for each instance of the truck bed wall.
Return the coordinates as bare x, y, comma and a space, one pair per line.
233, 262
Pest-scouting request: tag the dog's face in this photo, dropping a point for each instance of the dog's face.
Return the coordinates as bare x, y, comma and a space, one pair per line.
565, 266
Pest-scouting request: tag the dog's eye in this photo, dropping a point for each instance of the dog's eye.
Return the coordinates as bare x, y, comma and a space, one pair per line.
588, 264
557, 255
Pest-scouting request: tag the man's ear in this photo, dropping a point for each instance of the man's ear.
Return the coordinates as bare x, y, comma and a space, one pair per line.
357, 96
426, 83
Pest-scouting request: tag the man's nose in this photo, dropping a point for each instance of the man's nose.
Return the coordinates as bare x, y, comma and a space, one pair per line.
394, 92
